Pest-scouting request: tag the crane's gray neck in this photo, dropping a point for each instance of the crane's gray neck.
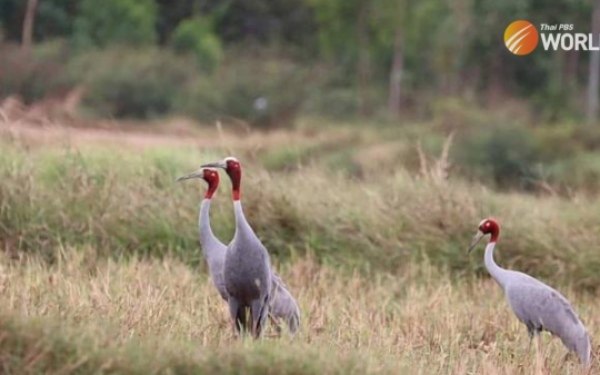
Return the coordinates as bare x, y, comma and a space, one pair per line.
499, 274
241, 224
208, 241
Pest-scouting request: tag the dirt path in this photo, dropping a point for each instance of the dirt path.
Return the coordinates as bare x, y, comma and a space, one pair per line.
56, 134
170, 133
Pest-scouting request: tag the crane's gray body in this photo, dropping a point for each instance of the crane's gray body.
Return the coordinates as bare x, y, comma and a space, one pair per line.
282, 304
540, 307
212, 249
247, 274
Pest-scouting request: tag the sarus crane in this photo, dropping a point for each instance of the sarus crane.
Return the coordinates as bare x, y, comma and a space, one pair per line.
537, 305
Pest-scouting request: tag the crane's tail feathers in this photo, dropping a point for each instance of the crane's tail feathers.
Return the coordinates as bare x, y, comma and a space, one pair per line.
294, 323
584, 350
293, 320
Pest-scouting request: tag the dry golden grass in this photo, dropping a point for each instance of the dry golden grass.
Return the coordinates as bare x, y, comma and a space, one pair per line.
420, 322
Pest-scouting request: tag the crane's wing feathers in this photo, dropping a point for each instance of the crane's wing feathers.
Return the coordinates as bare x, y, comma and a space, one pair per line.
282, 303
278, 281
541, 307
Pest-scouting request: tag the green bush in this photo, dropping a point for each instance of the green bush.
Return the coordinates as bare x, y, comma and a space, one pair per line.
138, 83
334, 102
100, 23
265, 92
196, 36
505, 154
581, 171
33, 74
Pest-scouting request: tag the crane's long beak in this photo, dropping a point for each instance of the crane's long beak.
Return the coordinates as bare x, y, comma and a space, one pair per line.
196, 174
218, 164
478, 236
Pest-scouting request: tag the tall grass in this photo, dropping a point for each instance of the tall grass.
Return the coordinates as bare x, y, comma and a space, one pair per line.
123, 202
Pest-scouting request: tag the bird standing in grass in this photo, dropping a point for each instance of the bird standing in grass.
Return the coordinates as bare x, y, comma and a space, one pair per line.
283, 306
213, 249
247, 270
535, 304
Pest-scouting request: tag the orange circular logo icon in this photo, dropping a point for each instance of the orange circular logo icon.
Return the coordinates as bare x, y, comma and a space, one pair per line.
521, 37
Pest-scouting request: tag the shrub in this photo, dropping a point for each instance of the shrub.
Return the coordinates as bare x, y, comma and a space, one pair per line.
334, 102
265, 92
196, 36
137, 83
581, 171
506, 154
103, 22
33, 74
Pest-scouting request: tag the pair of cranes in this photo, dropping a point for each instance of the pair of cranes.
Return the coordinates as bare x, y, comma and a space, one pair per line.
243, 276
242, 271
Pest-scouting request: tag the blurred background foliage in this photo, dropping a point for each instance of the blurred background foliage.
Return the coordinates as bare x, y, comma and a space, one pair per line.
438, 66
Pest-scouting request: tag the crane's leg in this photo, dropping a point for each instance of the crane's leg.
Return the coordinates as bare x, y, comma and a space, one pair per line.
236, 314
539, 356
259, 310
531, 333
276, 324
534, 337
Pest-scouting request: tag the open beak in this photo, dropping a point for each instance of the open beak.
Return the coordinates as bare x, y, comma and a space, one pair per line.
218, 164
478, 236
196, 174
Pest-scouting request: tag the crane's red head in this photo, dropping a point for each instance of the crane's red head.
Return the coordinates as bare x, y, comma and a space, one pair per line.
210, 175
490, 226
487, 226
234, 170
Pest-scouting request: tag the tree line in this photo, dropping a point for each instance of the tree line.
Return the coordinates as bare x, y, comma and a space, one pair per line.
390, 54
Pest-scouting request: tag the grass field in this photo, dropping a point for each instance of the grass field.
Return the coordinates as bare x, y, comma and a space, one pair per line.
101, 270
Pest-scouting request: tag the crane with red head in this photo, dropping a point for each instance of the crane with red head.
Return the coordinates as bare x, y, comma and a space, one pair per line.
537, 305
212, 249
